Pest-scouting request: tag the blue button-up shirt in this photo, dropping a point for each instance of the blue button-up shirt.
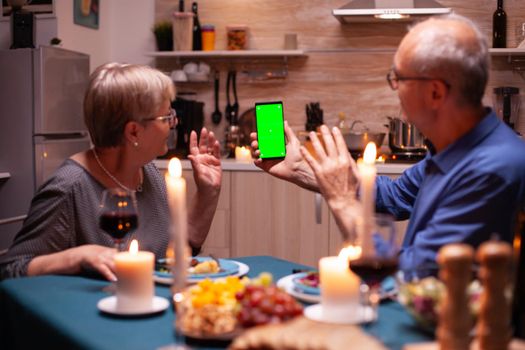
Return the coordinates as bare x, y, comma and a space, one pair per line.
466, 193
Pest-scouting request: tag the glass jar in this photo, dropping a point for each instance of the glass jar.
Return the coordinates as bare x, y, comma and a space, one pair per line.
520, 35
182, 31
237, 37
208, 37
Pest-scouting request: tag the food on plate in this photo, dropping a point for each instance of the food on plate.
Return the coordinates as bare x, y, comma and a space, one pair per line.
209, 307
311, 279
261, 305
206, 266
194, 267
422, 298
224, 305
264, 279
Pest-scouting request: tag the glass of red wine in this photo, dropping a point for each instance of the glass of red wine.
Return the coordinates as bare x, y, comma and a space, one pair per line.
380, 261
118, 214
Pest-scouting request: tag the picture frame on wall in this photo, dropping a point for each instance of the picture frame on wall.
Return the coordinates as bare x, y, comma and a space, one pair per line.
86, 13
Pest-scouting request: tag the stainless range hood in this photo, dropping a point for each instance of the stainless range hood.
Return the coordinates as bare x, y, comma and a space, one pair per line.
381, 10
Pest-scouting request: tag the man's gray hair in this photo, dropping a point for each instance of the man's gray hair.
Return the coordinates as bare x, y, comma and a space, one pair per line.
464, 64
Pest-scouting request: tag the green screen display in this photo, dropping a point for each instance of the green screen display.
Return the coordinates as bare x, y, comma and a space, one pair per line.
270, 129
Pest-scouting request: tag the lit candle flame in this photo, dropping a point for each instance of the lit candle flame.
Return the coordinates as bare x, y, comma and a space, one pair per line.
370, 153
350, 252
243, 154
175, 167
134, 247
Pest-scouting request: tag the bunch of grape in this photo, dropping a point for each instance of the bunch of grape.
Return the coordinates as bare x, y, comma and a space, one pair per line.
260, 305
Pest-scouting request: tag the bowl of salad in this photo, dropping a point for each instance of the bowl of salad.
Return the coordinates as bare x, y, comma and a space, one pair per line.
423, 297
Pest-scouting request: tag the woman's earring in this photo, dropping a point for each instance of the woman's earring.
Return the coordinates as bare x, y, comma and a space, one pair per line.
136, 144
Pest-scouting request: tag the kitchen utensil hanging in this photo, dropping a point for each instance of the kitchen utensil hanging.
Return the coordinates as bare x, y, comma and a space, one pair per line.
229, 108
232, 110
216, 116
235, 108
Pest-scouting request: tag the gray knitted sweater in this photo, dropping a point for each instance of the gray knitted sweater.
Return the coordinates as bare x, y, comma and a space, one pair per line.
64, 214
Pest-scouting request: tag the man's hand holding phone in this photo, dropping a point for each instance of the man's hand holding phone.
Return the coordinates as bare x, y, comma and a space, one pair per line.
292, 167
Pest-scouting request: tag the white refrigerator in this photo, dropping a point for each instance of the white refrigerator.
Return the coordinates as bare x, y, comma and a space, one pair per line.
41, 97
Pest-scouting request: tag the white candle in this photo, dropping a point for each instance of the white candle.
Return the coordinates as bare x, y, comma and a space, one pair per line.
339, 286
134, 271
367, 172
243, 154
176, 187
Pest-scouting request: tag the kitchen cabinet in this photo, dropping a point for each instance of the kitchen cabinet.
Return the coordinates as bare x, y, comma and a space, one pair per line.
218, 241
258, 214
274, 217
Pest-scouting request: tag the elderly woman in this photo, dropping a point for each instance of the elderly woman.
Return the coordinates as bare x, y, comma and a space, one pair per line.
127, 111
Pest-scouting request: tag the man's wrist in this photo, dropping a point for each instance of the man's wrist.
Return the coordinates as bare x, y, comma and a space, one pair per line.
342, 204
304, 177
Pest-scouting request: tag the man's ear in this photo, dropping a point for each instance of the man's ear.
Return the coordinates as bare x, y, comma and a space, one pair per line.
438, 93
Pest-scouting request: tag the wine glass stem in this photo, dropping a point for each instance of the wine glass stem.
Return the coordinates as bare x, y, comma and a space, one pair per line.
374, 301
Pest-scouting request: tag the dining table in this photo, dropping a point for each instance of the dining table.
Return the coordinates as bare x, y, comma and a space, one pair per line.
60, 312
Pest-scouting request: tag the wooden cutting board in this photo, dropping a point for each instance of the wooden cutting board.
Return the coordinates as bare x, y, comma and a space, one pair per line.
302, 333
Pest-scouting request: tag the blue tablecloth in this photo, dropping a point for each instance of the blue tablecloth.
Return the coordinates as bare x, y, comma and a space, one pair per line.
59, 312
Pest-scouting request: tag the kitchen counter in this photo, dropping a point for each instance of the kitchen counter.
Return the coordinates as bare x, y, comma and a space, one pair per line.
233, 165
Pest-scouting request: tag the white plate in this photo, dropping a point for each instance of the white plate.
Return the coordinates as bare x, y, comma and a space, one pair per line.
243, 270
286, 283
109, 305
361, 315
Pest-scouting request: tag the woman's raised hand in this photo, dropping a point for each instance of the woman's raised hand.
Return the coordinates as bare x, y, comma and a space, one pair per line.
206, 162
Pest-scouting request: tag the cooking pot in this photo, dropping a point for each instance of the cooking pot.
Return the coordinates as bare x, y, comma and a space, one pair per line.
403, 137
357, 141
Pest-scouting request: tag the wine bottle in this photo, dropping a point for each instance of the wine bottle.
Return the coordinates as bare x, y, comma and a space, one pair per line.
499, 27
197, 33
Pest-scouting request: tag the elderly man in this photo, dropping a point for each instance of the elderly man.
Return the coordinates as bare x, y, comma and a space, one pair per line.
471, 183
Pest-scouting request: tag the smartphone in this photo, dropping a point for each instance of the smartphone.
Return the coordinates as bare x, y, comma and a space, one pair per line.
269, 120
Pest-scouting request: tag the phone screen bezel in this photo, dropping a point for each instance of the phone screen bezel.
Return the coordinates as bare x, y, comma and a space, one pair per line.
282, 119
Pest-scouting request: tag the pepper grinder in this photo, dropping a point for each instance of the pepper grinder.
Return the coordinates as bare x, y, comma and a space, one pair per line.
493, 326
455, 261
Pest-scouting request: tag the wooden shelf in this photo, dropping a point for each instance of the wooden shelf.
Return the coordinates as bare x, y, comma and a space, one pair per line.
5, 176
228, 53
507, 52
371, 50
298, 53
515, 57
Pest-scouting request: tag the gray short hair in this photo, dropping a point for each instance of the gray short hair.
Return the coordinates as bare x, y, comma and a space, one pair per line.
118, 93
464, 64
